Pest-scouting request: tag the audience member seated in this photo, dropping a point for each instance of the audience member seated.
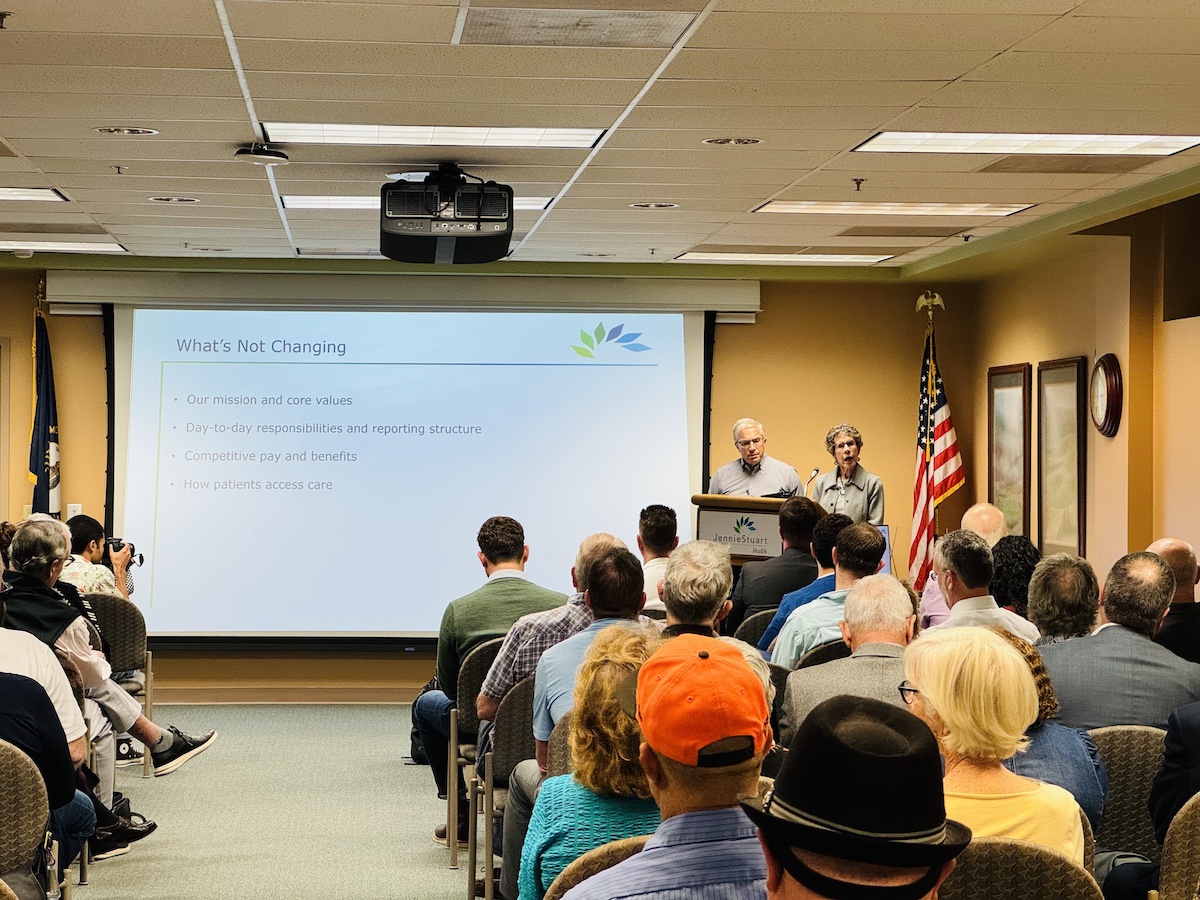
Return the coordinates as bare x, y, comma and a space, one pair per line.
1064, 598
962, 566
479, 616
878, 625
857, 554
532, 635
705, 726
1180, 631
83, 569
889, 838
988, 522
1014, 558
615, 596
763, 584
37, 555
977, 696
607, 797
825, 535
1118, 675
658, 536
1055, 753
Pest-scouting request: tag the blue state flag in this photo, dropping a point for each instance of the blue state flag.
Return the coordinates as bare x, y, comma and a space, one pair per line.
43, 435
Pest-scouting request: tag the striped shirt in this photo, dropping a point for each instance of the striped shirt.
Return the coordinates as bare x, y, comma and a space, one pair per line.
708, 855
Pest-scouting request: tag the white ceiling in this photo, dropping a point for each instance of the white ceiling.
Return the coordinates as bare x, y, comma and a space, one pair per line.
811, 78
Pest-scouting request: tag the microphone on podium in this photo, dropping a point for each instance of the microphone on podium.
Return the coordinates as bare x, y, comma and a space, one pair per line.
811, 476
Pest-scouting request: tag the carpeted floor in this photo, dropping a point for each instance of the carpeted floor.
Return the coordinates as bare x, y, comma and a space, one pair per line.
291, 802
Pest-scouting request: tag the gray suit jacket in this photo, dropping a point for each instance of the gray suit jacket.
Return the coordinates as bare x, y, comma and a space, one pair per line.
1118, 677
873, 670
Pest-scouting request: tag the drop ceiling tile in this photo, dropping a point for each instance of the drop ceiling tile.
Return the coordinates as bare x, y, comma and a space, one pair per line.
128, 81
668, 177
749, 195
825, 65
453, 110
969, 94
868, 31
989, 190
966, 181
119, 51
785, 94
708, 208
214, 218
83, 128
911, 7
124, 151
152, 17
1125, 34
627, 138
372, 57
747, 119
1090, 68
796, 161
438, 89
115, 109
1168, 8
98, 201
300, 20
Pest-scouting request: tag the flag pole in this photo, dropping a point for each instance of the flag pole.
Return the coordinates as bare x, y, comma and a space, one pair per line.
927, 301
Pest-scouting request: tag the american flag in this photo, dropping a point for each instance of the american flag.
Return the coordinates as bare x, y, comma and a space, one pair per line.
939, 464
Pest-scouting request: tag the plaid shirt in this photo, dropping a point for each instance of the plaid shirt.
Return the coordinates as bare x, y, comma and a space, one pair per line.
528, 639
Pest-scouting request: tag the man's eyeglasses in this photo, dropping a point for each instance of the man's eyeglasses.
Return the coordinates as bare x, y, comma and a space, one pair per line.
753, 442
907, 692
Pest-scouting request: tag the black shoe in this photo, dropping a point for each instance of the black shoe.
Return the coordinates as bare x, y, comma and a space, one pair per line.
183, 749
439, 834
105, 846
124, 832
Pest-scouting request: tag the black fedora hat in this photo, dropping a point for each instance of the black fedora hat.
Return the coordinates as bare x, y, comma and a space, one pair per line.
863, 782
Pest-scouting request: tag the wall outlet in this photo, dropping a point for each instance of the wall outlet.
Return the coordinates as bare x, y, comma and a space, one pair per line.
27, 510
74, 509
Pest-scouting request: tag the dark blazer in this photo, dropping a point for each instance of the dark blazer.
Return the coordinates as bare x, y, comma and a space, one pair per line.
1180, 631
1118, 677
1179, 778
763, 584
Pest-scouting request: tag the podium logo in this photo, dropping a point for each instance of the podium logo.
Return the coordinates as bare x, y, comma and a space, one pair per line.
745, 522
600, 341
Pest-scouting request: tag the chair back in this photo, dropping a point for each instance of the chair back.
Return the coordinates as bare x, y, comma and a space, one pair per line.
558, 754
823, 653
123, 625
659, 615
513, 736
603, 857
1004, 869
779, 677
24, 809
1180, 875
471, 675
754, 627
1132, 756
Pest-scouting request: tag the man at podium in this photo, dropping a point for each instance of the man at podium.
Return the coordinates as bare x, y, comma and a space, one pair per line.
754, 474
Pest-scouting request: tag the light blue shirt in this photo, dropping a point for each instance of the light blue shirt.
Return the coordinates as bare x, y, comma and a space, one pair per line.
809, 626
554, 679
708, 855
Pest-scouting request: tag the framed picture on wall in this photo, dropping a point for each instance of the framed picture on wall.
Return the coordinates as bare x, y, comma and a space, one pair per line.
1009, 401
1062, 455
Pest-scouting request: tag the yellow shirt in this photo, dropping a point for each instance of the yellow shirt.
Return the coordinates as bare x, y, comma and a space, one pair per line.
1046, 815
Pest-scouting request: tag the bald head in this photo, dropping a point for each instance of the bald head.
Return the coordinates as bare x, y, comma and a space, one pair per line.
986, 521
1180, 556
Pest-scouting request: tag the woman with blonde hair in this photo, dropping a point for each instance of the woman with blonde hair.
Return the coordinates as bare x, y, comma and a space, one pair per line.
607, 797
977, 695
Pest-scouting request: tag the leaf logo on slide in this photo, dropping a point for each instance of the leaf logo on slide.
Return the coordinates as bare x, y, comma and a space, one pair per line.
594, 342
744, 522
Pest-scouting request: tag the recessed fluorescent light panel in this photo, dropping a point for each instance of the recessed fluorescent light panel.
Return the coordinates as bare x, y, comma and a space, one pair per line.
430, 136
43, 194
62, 246
1045, 144
311, 201
802, 259
892, 209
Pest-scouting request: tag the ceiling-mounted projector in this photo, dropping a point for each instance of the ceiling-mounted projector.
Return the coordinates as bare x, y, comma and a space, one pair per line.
445, 219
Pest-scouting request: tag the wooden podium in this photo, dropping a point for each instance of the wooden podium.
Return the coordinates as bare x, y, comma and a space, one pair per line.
749, 526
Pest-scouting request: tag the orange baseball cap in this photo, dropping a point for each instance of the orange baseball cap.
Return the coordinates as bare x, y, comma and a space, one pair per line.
700, 704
